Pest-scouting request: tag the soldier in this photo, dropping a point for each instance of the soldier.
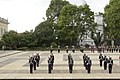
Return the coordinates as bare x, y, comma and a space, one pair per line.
84, 57
30, 59
112, 49
81, 49
110, 65
116, 48
105, 62
92, 48
85, 63
101, 59
71, 63
107, 47
58, 49
52, 60
37, 59
49, 65
34, 63
119, 49
51, 49
31, 67
73, 49
89, 63
69, 57
66, 49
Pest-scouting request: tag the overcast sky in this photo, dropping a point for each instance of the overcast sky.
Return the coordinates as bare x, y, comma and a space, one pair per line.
27, 14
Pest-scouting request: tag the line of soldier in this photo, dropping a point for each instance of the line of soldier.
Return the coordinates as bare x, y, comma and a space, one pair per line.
67, 49
106, 61
50, 62
101, 49
87, 63
34, 62
113, 49
70, 63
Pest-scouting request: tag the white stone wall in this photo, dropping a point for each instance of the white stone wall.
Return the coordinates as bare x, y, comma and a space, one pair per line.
3, 26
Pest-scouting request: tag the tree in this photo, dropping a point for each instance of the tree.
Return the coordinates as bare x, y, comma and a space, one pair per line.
26, 39
98, 39
112, 19
44, 33
11, 39
75, 21
53, 11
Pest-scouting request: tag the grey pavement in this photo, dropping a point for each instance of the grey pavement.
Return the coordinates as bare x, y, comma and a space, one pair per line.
15, 66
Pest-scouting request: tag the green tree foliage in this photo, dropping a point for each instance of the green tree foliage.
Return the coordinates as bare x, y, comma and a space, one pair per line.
14, 40
11, 39
53, 11
44, 33
26, 39
112, 19
75, 21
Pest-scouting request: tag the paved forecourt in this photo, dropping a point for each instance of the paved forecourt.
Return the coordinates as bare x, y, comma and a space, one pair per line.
16, 66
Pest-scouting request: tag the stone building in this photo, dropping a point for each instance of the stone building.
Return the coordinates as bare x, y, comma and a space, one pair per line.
3, 26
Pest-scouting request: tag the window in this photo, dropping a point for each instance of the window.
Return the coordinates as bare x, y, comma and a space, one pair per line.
1, 31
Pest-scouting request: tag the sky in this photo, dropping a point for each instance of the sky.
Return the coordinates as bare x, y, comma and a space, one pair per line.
25, 15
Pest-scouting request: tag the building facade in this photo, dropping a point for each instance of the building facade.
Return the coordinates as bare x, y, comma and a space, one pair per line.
3, 26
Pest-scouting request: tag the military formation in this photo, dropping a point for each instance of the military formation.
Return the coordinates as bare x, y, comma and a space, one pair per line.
107, 62
34, 61
113, 49
87, 63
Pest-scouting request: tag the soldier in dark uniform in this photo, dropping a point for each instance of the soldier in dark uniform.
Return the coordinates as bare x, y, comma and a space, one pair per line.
89, 63
66, 49
30, 59
105, 62
37, 59
49, 65
51, 49
119, 49
85, 62
58, 49
107, 48
52, 60
69, 57
71, 63
73, 49
81, 49
112, 49
92, 48
101, 59
84, 58
116, 48
31, 67
110, 62
34, 63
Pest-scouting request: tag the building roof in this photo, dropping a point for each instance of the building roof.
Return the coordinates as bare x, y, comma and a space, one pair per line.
2, 20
